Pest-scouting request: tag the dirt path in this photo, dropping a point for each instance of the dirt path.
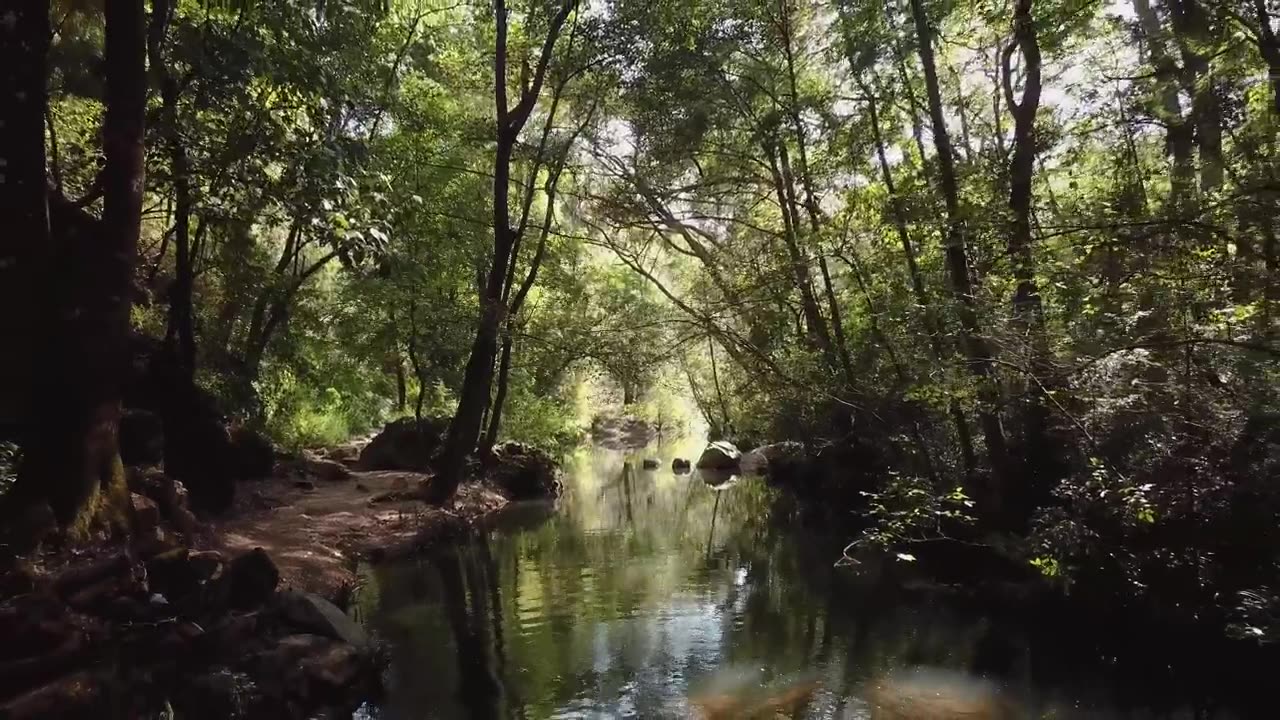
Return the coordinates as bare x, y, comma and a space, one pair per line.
317, 530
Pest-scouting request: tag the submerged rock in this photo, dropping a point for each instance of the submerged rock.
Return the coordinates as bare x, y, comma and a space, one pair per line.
720, 455
405, 444
524, 471
936, 694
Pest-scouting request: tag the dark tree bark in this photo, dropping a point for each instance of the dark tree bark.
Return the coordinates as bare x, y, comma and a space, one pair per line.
473, 400
1194, 37
1179, 132
1269, 47
974, 345
72, 457
1026, 300
24, 203
180, 335
419, 372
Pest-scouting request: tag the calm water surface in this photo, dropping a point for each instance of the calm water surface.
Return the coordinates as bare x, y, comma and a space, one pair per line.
645, 589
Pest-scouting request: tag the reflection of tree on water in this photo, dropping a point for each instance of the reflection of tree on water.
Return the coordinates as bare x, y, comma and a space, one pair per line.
473, 605
711, 536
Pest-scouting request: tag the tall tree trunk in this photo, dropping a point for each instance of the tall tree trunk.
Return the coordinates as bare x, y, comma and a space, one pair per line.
816, 324
1194, 37
473, 400
1026, 300
1179, 133
810, 195
975, 346
73, 456
500, 396
1269, 47
402, 383
1028, 310
25, 247
932, 329
180, 334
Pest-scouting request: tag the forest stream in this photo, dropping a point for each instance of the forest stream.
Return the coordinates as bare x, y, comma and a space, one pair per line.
654, 595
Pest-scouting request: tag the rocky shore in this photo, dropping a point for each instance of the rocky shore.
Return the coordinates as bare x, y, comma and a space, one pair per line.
243, 613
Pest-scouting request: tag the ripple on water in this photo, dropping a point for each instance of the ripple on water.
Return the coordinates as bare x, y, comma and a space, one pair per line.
649, 589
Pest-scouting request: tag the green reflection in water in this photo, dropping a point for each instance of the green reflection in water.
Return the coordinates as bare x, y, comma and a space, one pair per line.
647, 588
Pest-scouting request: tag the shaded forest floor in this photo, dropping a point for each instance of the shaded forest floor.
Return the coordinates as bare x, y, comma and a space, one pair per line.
317, 530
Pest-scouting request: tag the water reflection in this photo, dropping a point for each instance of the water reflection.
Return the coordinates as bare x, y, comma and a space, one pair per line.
653, 595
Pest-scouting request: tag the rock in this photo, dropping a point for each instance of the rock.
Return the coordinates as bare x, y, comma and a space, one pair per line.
198, 451
314, 614
781, 460
717, 479
253, 457
219, 693
141, 437
720, 455
345, 454
305, 485
524, 471
251, 579
145, 513
80, 695
651, 464
325, 470
680, 466
206, 564
935, 693
405, 444
235, 633
171, 574
170, 495
335, 668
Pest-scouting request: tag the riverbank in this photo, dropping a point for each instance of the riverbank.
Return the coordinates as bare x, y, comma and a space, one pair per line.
241, 614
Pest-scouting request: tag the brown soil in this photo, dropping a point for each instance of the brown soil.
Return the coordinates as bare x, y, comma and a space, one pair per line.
317, 535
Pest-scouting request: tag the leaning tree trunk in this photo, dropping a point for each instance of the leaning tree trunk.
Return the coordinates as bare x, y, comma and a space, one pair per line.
73, 455
975, 346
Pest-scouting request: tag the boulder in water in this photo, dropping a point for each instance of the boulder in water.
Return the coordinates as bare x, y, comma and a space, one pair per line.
405, 444
525, 472
720, 455
782, 461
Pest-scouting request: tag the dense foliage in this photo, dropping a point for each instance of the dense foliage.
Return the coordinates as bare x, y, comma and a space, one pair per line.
1024, 249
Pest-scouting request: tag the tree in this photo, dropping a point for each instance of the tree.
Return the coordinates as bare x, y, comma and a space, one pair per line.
473, 400
71, 453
